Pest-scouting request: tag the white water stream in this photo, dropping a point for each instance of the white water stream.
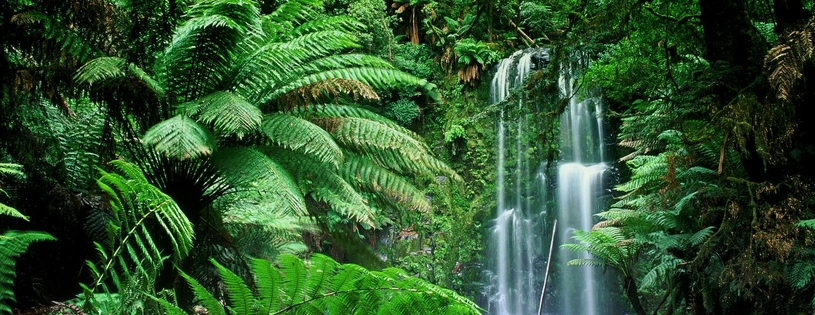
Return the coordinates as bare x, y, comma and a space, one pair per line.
518, 245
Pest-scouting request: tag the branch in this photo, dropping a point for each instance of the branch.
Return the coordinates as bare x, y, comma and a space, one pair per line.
526, 38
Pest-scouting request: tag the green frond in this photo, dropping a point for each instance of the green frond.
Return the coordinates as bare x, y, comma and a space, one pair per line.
661, 273
252, 170
269, 284
291, 13
385, 145
302, 136
325, 184
9, 211
586, 262
377, 78
327, 111
322, 286
205, 298
240, 296
180, 137
648, 171
700, 236
101, 69
12, 245
226, 112
340, 23
374, 178
130, 252
203, 48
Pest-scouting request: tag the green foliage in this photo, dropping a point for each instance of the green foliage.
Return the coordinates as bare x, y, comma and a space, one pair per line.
13, 244
323, 286
403, 111
130, 256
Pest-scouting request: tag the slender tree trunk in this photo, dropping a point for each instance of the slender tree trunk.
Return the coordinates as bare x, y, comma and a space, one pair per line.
631, 292
788, 13
731, 38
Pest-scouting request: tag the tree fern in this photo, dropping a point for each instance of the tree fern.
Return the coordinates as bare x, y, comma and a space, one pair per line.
13, 244
322, 286
131, 257
300, 135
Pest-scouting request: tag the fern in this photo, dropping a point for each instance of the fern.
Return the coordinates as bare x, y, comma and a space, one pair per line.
131, 257
12, 245
181, 137
322, 286
785, 62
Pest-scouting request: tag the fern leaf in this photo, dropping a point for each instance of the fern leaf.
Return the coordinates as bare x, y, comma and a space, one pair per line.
101, 69
227, 112
249, 168
12, 245
180, 137
203, 296
300, 135
240, 297
374, 178
326, 185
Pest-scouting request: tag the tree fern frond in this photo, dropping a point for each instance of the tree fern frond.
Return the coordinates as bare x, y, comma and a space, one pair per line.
251, 169
240, 296
786, 60
377, 78
324, 184
585, 262
180, 137
300, 135
101, 69
338, 23
328, 111
12, 245
290, 13
377, 179
331, 88
130, 251
322, 286
387, 146
700, 236
226, 112
203, 296
661, 272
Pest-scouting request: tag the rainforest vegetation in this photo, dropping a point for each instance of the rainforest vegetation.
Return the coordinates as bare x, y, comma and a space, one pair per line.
338, 156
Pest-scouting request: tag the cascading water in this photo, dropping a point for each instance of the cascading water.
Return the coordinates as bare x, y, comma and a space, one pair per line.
518, 244
580, 186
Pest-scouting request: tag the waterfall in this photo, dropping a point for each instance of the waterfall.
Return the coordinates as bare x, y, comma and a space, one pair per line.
580, 186
515, 242
518, 243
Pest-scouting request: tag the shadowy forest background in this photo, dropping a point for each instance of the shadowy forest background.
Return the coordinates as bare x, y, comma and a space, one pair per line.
337, 156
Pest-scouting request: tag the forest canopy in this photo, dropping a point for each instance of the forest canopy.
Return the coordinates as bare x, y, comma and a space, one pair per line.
173, 155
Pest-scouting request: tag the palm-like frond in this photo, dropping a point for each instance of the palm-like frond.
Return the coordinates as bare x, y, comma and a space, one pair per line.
249, 169
180, 137
609, 245
12, 245
786, 60
226, 112
322, 286
16, 170
324, 184
300, 135
374, 178
135, 204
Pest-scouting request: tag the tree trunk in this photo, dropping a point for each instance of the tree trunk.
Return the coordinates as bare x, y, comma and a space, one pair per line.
631, 292
731, 38
788, 13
